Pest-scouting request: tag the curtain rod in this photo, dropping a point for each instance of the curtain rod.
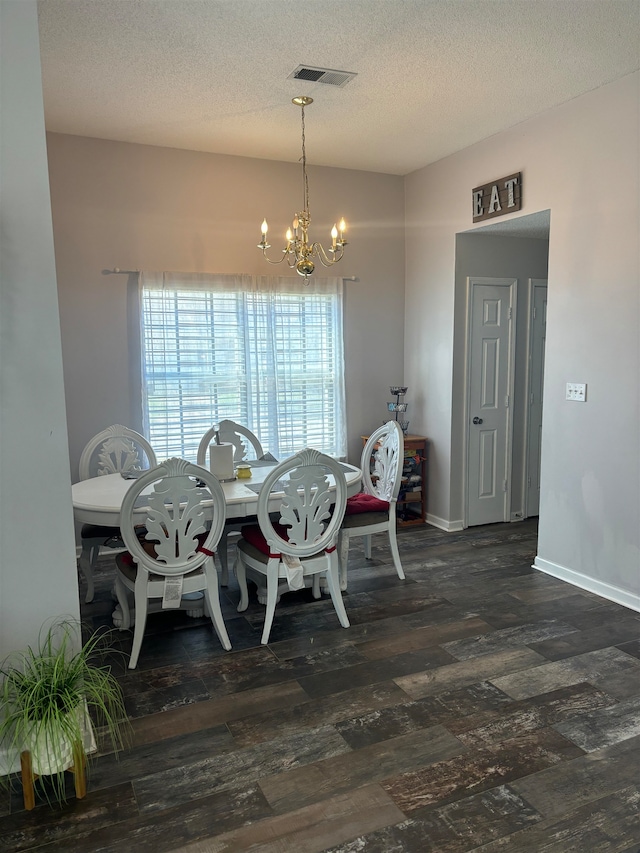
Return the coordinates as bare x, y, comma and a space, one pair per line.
118, 271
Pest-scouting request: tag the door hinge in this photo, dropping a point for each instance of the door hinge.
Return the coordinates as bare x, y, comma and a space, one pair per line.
506, 401
504, 485
529, 482
510, 313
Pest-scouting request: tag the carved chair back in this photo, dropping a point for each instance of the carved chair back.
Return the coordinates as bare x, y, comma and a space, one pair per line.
116, 448
243, 440
175, 520
310, 509
386, 446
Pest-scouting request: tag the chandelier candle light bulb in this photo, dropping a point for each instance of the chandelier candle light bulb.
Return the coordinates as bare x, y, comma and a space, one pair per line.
299, 252
263, 242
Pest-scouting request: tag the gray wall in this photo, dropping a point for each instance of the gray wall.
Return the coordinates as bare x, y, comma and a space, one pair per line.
140, 207
37, 556
587, 175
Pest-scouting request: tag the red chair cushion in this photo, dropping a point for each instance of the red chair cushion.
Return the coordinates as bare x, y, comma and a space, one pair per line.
365, 503
254, 536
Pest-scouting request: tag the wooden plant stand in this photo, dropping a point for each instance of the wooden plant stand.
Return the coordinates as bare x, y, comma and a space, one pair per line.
29, 777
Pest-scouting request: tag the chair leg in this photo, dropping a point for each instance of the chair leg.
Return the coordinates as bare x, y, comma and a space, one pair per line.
393, 542
334, 591
123, 601
241, 576
367, 547
315, 586
140, 598
212, 597
272, 599
87, 563
224, 559
343, 558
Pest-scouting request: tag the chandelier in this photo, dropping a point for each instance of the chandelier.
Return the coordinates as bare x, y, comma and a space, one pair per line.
299, 252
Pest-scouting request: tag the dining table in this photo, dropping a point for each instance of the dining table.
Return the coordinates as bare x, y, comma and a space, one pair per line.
98, 500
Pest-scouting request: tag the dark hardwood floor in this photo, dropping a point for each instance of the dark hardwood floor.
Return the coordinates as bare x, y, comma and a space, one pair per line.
479, 705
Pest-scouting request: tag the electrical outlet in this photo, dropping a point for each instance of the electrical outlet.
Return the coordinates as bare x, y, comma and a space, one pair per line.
577, 391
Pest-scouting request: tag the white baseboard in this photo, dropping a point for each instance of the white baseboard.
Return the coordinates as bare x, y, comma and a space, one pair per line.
442, 524
605, 590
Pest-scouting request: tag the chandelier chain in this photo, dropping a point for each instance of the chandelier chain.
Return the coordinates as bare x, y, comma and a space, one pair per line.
305, 180
299, 252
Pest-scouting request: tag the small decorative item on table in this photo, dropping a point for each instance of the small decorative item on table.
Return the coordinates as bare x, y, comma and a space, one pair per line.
243, 471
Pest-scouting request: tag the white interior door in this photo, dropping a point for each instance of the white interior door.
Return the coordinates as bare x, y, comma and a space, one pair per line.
490, 392
538, 332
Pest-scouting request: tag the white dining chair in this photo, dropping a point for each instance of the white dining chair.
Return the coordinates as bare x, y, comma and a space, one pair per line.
246, 446
115, 449
373, 510
302, 545
171, 545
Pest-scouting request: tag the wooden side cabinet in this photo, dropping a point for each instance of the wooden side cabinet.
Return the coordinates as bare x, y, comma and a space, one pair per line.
412, 506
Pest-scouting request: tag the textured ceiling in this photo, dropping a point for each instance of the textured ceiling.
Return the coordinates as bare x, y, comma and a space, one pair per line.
433, 76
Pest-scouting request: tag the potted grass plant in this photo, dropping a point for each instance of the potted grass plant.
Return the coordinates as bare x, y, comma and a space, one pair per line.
52, 696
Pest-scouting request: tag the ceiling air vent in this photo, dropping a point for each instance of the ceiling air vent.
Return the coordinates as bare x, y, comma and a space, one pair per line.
322, 75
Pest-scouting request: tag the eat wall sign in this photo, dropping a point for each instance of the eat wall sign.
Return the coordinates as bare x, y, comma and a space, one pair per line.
497, 198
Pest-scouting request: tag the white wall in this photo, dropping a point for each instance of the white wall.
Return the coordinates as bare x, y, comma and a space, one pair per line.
141, 207
37, 558
581, 162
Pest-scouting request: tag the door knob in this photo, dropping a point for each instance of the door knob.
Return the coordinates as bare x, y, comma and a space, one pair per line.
477, 420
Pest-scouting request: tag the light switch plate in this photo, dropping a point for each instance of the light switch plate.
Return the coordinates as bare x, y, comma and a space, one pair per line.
577, 391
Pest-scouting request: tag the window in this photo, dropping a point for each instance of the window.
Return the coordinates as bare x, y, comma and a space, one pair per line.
263, 351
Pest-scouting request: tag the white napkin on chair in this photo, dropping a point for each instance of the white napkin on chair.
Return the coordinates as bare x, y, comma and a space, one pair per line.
293, 571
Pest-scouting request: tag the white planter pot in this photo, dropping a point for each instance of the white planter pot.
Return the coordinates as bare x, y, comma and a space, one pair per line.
52, 751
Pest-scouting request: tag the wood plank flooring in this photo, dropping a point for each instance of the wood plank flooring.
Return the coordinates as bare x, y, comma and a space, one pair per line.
479, 705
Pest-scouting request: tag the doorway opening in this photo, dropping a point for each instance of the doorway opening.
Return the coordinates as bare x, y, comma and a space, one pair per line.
500, 330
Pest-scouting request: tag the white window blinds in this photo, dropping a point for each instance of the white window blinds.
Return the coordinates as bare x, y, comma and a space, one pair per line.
264, 351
